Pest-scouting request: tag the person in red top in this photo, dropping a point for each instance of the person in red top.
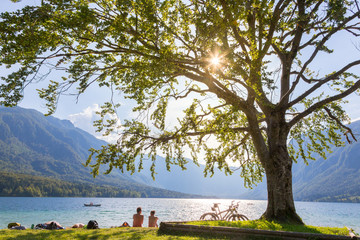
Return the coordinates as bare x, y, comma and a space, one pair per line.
138, 219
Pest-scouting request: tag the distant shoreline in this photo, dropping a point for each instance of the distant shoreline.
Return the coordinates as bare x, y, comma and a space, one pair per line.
195, 197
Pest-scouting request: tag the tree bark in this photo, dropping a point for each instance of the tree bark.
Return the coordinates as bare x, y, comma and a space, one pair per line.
280, 207
278, 165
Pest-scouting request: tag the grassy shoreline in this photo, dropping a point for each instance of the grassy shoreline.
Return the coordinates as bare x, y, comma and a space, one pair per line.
105, 233
154, 233
273, 226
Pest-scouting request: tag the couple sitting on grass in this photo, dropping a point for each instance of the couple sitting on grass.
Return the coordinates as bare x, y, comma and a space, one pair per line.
138, 219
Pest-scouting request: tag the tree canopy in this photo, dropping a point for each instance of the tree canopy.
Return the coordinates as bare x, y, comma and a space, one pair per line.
246, 66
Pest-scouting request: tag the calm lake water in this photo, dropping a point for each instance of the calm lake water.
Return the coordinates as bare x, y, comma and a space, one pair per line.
114, 211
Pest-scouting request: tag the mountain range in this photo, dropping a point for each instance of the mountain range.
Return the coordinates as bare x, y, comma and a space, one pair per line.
33, 144
336, 178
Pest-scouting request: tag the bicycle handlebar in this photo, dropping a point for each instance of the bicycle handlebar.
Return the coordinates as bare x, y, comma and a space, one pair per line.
232, 205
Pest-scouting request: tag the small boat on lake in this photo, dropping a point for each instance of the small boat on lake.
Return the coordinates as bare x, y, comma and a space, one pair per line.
91, 205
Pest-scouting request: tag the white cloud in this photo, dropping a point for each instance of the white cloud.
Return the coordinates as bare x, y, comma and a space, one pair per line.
84, 120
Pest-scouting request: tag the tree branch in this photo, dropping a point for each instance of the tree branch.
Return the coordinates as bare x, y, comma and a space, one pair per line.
279, 8
342, 125
322, 82
322, 103
166, 138
243, 43
313, 55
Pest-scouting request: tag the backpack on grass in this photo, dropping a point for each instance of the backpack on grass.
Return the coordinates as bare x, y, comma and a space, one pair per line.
92, 224
13, 224
125, 224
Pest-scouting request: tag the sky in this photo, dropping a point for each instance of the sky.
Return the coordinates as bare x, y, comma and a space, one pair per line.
81, 111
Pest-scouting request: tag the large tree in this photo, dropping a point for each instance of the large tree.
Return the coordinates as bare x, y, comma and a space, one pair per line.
245, 66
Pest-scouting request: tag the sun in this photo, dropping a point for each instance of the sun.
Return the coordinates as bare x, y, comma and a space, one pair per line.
215, 61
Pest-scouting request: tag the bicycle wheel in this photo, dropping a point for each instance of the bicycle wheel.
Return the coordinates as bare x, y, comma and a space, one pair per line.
238, 217
209, 216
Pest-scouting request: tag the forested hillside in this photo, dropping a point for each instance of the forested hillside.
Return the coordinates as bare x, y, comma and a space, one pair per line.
22, 185
33, 144
336, 178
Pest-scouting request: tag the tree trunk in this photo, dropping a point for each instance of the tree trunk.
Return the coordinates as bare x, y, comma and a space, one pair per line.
277, 164
281, 205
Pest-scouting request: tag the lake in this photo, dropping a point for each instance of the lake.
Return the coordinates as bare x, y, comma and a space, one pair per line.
114, 211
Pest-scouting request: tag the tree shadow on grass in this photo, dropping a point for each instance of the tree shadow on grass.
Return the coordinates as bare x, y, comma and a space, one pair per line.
174, 235
271, 226
79, 234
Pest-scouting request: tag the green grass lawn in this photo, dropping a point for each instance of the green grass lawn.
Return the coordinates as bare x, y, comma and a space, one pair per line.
98, 234
152, 233
266, 225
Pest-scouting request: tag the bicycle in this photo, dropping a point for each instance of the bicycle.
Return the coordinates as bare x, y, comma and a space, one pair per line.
230, 214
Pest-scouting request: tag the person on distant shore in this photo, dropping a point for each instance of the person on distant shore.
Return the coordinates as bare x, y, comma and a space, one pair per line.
153, 219
78, 225
138, 219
